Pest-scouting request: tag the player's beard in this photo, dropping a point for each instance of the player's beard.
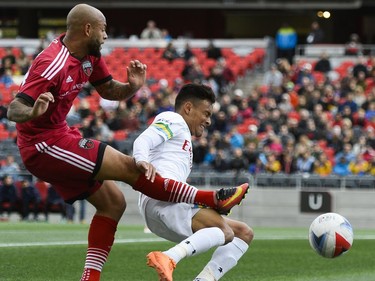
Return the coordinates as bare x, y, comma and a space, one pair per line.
94, 48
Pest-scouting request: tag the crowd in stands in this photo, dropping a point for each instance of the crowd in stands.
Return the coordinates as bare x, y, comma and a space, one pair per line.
303, 117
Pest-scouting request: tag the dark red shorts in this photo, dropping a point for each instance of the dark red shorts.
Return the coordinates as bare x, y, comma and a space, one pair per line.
68, 163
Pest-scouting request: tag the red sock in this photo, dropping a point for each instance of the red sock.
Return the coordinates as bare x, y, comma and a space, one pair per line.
174, 191
100, 238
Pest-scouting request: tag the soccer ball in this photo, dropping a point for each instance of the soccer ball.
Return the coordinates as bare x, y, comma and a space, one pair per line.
330, 235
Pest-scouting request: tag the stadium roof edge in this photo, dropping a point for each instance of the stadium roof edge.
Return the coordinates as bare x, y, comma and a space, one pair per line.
218, 4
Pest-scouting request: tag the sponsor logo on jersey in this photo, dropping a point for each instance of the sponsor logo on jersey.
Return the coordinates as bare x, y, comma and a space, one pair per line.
86, 143
87, 67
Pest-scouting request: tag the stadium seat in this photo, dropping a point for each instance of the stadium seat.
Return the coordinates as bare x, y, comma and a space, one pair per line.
119, 135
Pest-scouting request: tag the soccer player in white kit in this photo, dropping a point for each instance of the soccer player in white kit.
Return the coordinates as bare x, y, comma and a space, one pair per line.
167, 145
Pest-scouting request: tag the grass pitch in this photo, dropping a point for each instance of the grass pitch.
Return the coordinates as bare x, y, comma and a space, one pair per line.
56, 252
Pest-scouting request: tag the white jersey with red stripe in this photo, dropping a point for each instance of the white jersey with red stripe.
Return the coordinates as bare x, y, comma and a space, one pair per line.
55, 70
167, 144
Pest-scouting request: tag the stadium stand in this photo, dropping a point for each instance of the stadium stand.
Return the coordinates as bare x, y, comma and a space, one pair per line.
248, 59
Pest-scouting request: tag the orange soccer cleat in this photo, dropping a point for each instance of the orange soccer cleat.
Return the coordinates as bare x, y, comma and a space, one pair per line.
163, 265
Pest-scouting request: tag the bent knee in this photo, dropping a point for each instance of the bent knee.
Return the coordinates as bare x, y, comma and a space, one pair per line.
245, 233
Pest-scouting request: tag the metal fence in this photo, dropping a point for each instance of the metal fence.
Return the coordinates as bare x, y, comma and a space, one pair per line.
211, 179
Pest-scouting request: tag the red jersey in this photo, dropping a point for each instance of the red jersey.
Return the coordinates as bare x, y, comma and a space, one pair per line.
55, 70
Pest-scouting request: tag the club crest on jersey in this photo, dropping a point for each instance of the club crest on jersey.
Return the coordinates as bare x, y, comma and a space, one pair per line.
86, 143
87, 67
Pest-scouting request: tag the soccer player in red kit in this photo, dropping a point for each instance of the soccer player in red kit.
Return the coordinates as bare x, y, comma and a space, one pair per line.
82, 168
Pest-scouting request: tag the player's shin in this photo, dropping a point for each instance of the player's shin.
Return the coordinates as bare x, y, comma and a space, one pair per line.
175, 191
100, 239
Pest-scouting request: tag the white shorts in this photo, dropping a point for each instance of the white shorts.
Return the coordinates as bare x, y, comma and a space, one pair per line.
171, 221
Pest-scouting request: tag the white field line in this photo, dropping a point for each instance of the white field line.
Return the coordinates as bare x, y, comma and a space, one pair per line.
146, 240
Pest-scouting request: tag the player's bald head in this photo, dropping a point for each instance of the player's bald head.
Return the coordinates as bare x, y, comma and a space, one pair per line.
82, 14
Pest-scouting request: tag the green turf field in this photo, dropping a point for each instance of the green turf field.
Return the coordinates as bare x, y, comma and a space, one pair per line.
49, 252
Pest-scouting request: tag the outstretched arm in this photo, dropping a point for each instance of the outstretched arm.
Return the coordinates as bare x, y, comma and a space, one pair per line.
115, 90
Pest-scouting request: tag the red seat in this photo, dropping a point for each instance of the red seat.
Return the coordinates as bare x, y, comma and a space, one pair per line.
120, 135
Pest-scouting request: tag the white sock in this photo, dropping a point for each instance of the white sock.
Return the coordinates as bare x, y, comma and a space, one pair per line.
200, 242
224, 259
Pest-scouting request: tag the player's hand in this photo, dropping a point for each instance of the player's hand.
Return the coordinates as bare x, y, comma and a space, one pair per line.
41, 104
148, 169
136, 74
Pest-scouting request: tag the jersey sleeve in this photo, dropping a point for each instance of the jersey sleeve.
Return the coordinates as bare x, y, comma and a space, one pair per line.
34, 83
144, 143
168, 124
164, 127
101, 73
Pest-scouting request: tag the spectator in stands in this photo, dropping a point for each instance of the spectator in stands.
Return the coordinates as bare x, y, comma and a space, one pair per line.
222, 76
341, 167
236, 139
316, 34
359, 166
151, 31
30, 197
360, 146
284, 135
23, 62
86, 128
238, 162
346, 153
8, 194
3, 113
209, 158
54, 200
251, 154
360, 67
170, 53
131, 123
192, 71
165, 34
323, 64
213, 52
286, 42
221, 162
305, 77
101, 130
9, 59
305, 161
288, 163
113, 121
187, 52
354, 46
6, 77
200, 149
10, 167
285, 106
273, 165
273, 77
370, 112
322, 165
234, 118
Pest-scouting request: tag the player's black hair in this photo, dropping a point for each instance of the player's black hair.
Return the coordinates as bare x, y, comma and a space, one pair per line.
194, 92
